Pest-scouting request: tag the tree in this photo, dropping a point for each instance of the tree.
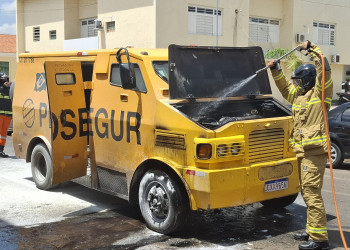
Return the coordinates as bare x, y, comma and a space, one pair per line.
292, 61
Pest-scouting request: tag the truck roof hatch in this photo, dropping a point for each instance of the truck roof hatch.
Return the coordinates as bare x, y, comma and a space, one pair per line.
204, 72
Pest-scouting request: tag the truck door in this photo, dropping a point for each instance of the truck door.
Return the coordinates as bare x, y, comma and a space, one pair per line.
69, 121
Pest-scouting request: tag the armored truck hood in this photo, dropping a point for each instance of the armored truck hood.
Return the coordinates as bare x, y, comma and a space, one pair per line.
205, 72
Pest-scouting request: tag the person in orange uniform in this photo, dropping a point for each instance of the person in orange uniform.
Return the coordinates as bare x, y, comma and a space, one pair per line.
308, 138
5, 111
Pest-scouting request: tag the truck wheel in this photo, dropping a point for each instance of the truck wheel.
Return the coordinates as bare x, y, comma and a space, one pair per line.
163, 206
336, 156
41, 165
279, 203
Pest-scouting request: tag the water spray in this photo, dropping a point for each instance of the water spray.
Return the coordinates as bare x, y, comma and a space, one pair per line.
279, 59
238, 86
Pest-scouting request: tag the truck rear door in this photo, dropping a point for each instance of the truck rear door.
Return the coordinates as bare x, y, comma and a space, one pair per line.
69, 121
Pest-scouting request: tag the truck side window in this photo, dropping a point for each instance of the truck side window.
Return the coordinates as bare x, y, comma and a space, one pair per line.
65, 78
115, 77
162, 69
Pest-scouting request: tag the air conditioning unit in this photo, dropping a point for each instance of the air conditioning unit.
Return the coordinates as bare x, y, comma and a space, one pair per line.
300, 37
335, 58
98, 24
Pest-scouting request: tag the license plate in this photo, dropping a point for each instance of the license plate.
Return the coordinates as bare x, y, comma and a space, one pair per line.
275, 185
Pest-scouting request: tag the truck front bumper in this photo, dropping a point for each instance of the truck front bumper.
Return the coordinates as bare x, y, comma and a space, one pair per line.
242, 185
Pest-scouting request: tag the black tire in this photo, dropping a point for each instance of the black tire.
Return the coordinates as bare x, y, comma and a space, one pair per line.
279, 203
41, 165
336, 156
163, 206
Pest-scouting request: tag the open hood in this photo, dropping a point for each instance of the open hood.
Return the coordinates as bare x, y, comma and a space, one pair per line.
202, 72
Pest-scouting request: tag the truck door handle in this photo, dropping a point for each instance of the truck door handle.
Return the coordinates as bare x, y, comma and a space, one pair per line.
124, 97
67, 92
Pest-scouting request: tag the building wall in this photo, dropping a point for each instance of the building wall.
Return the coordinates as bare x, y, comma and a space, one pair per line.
8, 50
71, 20
334, 12
158, 23
297, 17
268, 9
20, 34
50, 19
234, 29
87, 8
11, 59
134, 23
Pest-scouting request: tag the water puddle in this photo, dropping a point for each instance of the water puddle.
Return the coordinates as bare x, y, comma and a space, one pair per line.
232, 228
8, 238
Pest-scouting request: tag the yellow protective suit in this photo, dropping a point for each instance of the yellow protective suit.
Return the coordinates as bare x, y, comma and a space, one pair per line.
309, 141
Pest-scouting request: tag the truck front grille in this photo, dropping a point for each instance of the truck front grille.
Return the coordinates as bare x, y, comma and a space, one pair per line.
266, 145
170, 139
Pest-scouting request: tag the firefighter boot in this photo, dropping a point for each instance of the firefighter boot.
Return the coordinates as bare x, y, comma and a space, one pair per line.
2, 154
301, 236
314, 245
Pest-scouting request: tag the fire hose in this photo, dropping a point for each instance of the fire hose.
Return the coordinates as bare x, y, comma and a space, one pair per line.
280, 58
324, 112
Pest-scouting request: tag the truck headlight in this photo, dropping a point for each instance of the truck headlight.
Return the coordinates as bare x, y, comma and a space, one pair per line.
235, 148
221, 150
204, 151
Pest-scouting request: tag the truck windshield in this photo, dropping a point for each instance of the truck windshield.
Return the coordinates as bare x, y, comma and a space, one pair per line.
162, 70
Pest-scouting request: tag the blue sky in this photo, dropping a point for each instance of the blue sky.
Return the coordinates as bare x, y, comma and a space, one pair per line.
8, 17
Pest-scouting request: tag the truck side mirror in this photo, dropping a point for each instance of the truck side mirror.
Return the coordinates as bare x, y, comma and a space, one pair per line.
127, 71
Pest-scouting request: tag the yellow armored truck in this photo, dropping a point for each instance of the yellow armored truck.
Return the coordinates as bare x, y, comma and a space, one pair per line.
173, 130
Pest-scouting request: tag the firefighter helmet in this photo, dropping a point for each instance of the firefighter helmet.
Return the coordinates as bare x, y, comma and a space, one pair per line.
307, 75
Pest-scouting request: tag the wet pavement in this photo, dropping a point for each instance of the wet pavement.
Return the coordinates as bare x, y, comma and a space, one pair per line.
123, 228
74, 217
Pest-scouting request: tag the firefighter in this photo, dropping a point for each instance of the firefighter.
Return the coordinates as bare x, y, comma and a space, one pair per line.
308, 138
5, 111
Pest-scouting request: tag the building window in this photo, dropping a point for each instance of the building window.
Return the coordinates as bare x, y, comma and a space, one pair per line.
204, 21
324, 33
110, 26
52, 34
4, 67
36, 34
264, 30
88, 27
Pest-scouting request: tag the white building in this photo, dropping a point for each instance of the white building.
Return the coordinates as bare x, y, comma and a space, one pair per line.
56, 25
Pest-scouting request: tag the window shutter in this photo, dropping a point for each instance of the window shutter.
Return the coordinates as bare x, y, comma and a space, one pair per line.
191, 22
204, 24
324, 34
264, 30
88, 28
84, 29
253, 32
204, 21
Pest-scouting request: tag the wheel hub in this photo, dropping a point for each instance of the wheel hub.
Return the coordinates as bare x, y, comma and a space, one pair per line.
333, 154
158, 201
